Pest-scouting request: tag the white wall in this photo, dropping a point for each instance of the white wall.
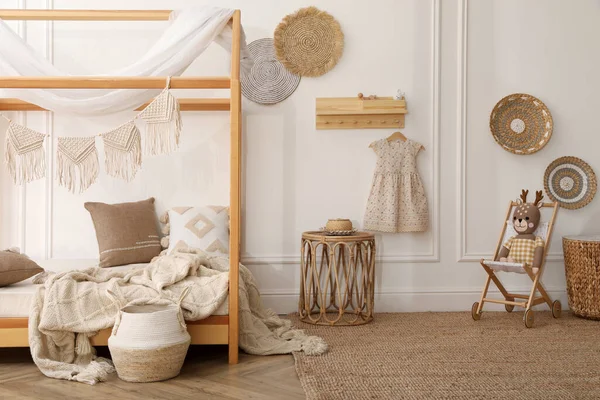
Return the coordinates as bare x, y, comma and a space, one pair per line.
455, 60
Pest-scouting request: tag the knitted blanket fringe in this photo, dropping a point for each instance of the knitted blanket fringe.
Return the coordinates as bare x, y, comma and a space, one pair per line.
78, 301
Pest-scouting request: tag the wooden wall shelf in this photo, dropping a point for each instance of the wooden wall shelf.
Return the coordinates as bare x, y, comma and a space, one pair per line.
355, 113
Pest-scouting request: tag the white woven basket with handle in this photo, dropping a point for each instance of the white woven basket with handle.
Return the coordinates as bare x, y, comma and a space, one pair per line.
149, 342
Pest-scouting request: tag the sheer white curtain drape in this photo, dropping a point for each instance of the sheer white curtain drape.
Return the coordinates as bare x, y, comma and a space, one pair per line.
188, 34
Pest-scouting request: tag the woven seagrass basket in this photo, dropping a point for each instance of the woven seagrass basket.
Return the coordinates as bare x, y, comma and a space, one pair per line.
582, 260
149, 342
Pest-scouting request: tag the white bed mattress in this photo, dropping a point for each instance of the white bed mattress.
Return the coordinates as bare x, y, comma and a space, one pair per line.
16, 299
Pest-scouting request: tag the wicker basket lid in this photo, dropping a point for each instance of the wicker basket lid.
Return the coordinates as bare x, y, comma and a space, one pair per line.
309, 42
570, 181
521, 123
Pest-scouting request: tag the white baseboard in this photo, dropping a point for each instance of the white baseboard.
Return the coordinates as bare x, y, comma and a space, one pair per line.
284, 302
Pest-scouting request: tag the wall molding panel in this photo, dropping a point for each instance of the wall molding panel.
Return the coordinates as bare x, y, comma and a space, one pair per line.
463, 255
434, 255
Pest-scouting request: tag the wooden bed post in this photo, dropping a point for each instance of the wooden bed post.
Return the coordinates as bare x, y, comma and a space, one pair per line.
235, 191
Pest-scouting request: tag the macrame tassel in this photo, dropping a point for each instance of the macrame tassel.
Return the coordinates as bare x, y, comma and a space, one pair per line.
76, 157
24, 154
123, 151
163, 124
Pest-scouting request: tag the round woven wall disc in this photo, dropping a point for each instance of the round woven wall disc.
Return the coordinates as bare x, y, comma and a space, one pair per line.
570, 181
521, 123
268, 82
309, 42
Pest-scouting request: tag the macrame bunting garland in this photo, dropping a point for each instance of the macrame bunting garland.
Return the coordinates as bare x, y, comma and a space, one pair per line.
77, 157
24, 153
123, 151
163, 123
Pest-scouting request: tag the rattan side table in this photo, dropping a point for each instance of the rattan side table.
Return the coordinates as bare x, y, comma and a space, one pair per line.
337, 285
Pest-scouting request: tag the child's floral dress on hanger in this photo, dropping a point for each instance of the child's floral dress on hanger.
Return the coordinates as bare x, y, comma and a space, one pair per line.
397, 202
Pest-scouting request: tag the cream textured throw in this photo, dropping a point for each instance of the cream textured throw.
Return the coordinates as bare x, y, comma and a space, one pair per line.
77, 301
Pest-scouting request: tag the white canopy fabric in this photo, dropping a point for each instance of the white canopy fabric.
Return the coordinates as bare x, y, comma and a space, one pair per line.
189, 33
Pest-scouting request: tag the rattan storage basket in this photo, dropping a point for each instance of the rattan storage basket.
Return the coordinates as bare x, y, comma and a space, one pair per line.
582, 260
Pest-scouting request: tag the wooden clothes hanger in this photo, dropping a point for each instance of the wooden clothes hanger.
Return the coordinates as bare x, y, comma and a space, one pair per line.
399, 136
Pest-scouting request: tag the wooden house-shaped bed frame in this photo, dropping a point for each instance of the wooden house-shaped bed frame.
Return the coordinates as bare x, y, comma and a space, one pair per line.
214, 329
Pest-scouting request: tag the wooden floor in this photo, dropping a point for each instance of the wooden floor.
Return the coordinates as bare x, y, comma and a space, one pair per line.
205, 375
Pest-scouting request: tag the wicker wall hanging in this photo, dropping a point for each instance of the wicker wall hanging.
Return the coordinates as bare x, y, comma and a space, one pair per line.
521, 124
267, 82
309, 42
570, 181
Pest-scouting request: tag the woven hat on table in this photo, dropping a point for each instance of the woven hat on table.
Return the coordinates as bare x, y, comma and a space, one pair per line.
309, 42
570, 181
521, 123
267, 82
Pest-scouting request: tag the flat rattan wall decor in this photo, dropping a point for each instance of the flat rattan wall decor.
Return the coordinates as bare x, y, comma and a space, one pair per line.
521, 123
571, 182
309, 42
268, 81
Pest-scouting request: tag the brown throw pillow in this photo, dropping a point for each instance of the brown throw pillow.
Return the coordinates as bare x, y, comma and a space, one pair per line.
127, 233
15, 267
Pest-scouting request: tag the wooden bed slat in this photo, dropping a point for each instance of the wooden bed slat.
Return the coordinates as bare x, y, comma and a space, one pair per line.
85, 15
200, 334
216, 104
22, 322
113, 82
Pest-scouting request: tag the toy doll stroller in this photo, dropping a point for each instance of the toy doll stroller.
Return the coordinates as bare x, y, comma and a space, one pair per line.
544, 230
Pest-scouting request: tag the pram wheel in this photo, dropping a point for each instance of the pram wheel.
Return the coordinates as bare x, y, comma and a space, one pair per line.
509, 307
474, 314
556, 309
528, 318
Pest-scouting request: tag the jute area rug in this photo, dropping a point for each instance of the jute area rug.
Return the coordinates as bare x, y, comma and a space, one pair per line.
450, 356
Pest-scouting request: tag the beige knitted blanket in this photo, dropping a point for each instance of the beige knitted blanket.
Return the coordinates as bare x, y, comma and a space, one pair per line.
73, 306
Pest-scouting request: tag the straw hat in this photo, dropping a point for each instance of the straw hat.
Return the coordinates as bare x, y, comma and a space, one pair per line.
521, 123
309, 42
267, 82
339, 227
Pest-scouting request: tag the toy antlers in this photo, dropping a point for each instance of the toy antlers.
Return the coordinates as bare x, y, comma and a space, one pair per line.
538, 197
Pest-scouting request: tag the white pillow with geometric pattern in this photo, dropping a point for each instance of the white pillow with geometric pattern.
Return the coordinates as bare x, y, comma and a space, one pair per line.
205, 228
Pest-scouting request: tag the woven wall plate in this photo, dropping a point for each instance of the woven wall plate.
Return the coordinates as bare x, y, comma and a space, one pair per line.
521, 123
570, 181
268, 82
309, 42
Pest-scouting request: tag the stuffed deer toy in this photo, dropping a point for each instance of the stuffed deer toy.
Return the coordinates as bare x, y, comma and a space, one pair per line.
525, 247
